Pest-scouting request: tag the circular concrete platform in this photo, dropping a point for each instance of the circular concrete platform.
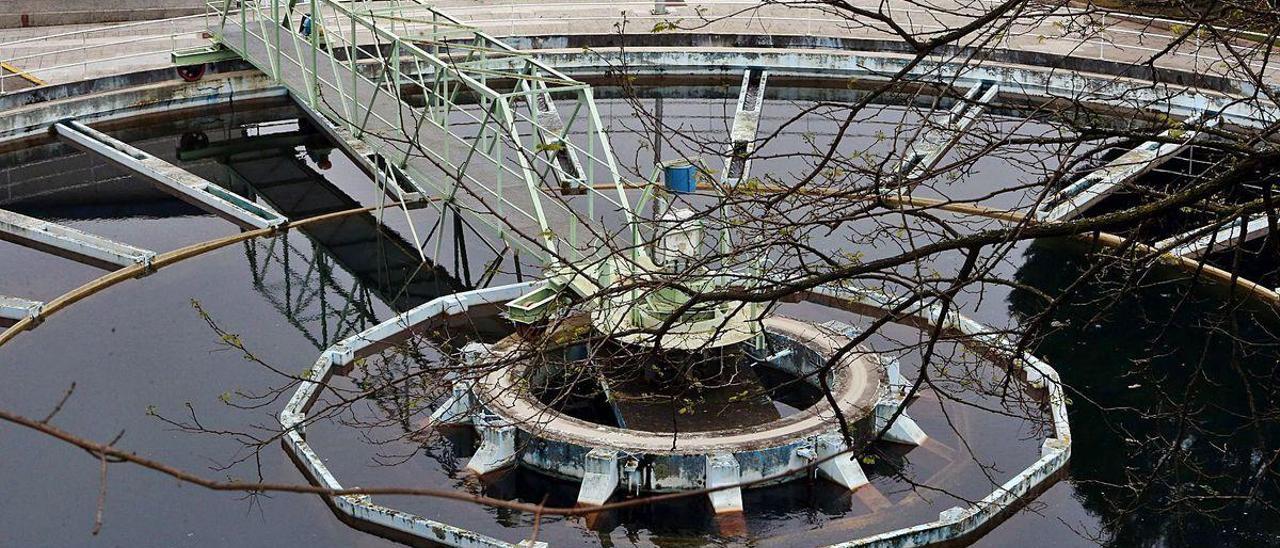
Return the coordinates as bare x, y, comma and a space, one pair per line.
559, 444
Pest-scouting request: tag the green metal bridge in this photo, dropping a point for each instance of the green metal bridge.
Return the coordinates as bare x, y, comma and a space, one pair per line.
443, 113
440, 110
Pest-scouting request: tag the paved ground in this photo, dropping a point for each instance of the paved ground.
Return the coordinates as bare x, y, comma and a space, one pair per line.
30, 13
1062, 31
73, 52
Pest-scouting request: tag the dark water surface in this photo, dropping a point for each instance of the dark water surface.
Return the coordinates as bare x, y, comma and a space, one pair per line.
142, 348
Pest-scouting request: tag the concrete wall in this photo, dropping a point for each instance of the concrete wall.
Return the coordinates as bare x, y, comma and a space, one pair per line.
29, 112
37, 13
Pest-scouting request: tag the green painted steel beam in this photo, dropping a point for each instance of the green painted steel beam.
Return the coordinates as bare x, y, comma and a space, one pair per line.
486, 131
203, 54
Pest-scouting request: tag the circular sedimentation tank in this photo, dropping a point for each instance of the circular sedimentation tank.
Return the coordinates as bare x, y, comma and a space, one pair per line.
515, 424
784, 450
634, 430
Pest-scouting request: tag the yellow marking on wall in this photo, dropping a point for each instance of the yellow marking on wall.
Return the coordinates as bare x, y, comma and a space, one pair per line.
23, 74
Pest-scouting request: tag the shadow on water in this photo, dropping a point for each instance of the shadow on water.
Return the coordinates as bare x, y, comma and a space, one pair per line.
1174, 402
270, 166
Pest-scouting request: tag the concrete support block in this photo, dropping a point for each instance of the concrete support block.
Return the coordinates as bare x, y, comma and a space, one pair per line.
898, 384
952, 515
339, 355
458, 409
1035, 377
723, 469
15, 309
843, 469
904, 430
461, 407
802, 456
631, 476
601, 477
842, 328
497, 449
1053, 445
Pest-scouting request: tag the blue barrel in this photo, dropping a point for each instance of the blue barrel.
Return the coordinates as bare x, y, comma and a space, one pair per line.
681, 178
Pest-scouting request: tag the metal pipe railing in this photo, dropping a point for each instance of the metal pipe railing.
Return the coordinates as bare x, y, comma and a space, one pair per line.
71, 55
55, 57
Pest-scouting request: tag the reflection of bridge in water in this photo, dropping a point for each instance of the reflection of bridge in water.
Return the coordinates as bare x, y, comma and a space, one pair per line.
305, 289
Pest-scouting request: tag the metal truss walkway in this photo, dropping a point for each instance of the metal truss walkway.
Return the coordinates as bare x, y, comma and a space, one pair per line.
465, 117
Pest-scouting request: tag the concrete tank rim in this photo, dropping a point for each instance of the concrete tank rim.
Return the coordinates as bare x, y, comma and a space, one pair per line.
859, 386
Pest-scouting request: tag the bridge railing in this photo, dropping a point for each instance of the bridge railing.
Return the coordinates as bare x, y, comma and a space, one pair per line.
468, 118
1110, 36
112, 49
81, 54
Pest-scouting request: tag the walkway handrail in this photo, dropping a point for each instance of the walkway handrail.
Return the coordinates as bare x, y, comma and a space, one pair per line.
447, 58
130, 25
100, 46
1106, 41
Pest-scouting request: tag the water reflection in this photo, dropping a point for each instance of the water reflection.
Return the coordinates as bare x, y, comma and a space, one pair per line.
1151, 472
276, 166
1175, 395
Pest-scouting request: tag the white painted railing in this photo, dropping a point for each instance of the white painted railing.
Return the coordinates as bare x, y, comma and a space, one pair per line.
1108, 41
88, 53
82, 54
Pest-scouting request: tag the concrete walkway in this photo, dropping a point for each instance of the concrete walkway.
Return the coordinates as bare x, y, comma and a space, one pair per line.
75, 52
1062, 31
69, 53
40, 13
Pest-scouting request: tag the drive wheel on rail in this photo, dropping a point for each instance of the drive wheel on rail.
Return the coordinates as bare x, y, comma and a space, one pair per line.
192, 73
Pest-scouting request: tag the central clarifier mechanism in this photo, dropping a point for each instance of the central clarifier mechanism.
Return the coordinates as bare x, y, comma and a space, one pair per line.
645, 294
622, 373
625, 382
630, 429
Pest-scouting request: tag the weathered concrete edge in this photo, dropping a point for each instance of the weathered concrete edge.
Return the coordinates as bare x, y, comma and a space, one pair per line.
30, 112
812, 346
293, 419
1046, 60
1015, 80
1031, 72
1027, 73
769, 453
28, 96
